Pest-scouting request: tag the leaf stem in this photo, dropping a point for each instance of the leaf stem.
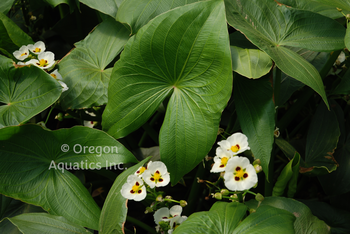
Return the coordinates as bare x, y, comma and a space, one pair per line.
48, 115
141, 224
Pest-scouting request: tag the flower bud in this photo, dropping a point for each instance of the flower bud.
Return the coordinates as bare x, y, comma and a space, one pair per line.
59, 117
340, 10
259, 197
257, 168
148, 210
348, 16
252, 211
224, 192
256, 162
218, 196
183, 203
168, 197
159, 198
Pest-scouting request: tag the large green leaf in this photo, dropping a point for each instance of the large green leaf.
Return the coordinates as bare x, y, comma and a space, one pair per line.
321, 142
5, 5
251, 63
314, 5
83, 69
256, 114
109, 7
45, 223
272, 27
137, 13
225, 218
32, 162
305, 222
24, 92
342, 4
9, 208
183, 53
11, 36
112, 220
288, 176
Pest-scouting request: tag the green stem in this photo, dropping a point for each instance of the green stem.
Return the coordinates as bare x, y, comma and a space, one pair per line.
277, 87
141, 224
240, 197
47, 118
249, 192
171, 200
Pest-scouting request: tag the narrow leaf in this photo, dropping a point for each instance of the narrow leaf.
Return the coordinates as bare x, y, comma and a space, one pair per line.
255, 110
112, 220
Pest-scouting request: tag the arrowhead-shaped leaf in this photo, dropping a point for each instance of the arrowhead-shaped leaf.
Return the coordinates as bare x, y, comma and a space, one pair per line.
83, 69
183, 53
272, 27
109, 7
256, 111
137, 13
33, 162
24, 92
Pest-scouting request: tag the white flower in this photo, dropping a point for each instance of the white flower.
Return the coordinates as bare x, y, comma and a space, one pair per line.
142, 169
240, 174
156, 175
88, 123
22, 63
173, 216
134, 188
58, 77
45, 60
341, 58
37, 48
235, 144
220, 160
22, 53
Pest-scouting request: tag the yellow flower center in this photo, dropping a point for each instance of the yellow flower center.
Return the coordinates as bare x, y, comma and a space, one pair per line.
235, 148
23, 54
223, 161
42, 63
157, 177
36, 50
136, 188
53, 75
142, 169
240, 174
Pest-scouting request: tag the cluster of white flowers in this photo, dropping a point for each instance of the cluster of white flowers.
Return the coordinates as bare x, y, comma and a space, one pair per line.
37, 56
172, 217
155, 174
239, 173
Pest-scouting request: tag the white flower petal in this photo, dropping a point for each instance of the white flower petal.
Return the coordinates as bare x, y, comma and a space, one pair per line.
156, 175
235, 144
37, 48
176, 210
134, 188
64, 86
161, 215
22, 53
45, 60
245, 179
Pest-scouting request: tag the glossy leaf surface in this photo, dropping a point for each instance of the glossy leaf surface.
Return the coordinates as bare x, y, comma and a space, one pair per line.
84, 68
182, 54
33, 163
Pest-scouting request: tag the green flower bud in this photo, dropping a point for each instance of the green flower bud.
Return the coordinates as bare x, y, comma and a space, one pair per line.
348, 16
148, 210
59, 117
183, 203
256, 162
252, 211
159, 198
340, 10
218, 196
224, 192
259, 197
257, 168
